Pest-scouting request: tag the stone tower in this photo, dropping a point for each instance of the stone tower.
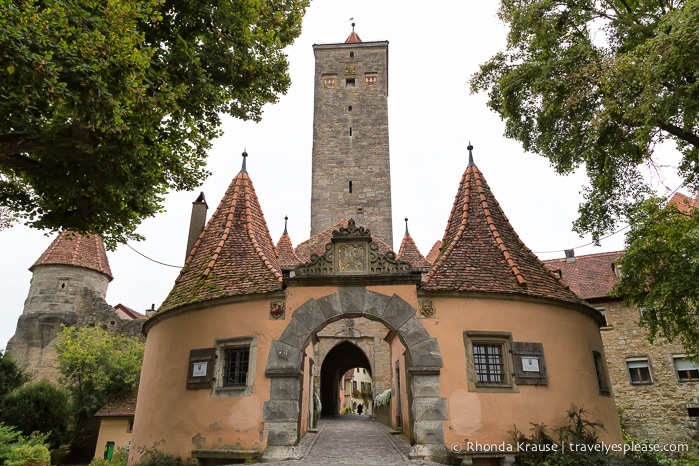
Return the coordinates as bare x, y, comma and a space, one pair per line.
351, 168
68, 287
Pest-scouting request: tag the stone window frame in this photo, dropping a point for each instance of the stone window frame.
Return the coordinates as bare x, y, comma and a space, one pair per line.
224, 344
637, 363
502, 339
688, 361
602, 309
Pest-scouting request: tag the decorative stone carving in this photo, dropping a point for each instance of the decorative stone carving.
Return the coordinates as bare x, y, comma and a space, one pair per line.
426, 307
352, 252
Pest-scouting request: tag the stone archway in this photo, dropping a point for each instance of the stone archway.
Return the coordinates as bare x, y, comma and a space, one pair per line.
424, 361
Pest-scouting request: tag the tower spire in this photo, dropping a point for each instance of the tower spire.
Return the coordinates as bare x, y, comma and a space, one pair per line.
286, 218
470, 155
406, 227
245, 156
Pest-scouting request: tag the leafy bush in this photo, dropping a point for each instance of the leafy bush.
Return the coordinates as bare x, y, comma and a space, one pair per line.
38, 407
383, 399
27, 454
17, 450
541, 447
151, 456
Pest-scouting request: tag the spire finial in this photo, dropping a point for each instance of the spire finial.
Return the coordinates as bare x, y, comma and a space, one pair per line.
406, 227
286, 218
470, 154
245, 156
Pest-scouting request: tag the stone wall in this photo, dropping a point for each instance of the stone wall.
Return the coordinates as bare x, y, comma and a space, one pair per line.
350, 138
657, 411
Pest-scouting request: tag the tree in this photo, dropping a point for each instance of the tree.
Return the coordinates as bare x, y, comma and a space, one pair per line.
11, 375
599, 83
108, 104
96, 368
38, 407
659, 270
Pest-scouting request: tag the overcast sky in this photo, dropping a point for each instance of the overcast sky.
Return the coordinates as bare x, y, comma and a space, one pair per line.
433, 50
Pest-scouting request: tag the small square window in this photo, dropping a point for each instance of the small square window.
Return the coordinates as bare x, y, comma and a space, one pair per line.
350, 82
235, 369
639, 371
602, 310
487, 359
236, 366
687, 370
489, 362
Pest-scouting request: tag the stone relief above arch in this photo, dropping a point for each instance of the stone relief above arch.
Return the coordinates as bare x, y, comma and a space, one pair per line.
285, 366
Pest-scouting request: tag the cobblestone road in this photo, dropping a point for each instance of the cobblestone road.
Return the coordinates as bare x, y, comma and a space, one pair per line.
352, 440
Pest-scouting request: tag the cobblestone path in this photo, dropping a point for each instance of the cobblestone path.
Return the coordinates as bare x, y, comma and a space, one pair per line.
350, 441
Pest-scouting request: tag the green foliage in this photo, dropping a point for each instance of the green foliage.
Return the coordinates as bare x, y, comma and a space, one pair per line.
29, 455
659, 271
107, 104
97, 368
151, 456
18, 450
11, 375
118, 459
599, 84
544, 448
39, 407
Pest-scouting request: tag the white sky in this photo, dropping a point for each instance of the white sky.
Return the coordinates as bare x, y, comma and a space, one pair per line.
433, 50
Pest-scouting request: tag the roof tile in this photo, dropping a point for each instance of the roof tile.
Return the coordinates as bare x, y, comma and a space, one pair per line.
234, 254
482, 252
591, 276
70, 248
409, 252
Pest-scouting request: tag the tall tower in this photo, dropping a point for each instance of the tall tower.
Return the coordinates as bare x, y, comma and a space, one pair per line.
351, 164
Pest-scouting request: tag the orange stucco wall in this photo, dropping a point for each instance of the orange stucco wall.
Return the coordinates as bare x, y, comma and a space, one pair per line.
188, 419
568, 336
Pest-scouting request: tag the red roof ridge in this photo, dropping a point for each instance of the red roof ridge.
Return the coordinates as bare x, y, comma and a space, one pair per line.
493, 229
434, 252
286, 256
70, 248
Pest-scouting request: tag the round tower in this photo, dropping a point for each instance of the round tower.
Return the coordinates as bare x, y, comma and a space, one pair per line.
68, 278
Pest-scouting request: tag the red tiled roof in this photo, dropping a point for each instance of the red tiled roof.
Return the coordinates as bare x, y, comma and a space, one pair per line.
684, 203
409, 252
234, 255
286, 256
353, 38
590, 276
122, 406
77, 250
126, 312
482, 252
316, 244
434, 252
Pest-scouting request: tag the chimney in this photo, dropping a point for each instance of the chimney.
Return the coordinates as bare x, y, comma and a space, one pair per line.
197, 221
570, 255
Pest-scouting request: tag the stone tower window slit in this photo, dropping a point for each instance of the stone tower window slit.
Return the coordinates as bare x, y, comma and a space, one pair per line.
350, 131
350, 187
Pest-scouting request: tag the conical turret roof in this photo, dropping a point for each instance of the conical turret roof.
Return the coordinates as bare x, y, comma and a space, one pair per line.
71, 248
409, 252
233, 256
482, 252
286, 256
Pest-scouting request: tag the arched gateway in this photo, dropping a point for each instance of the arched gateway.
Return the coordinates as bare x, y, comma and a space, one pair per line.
282, 412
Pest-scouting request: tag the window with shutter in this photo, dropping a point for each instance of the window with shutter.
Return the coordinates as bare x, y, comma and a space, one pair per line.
529, 363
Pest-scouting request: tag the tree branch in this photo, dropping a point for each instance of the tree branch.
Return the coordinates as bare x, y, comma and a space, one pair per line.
691, 138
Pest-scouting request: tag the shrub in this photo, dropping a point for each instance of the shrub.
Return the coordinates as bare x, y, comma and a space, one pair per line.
28, 454
118, 459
